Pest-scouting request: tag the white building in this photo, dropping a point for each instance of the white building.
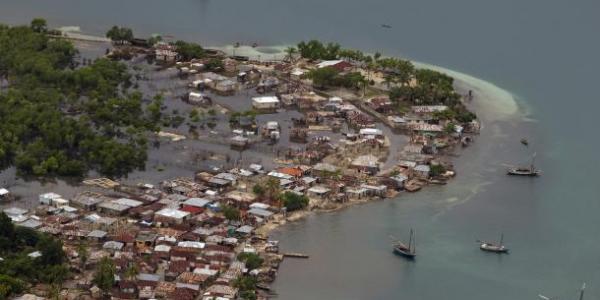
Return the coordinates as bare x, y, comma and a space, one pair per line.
48, 197
266, 102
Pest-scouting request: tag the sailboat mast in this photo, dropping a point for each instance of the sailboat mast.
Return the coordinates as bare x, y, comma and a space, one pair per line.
414, 250
501, 239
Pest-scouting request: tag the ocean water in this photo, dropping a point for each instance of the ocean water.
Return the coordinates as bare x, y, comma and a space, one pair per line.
533, 66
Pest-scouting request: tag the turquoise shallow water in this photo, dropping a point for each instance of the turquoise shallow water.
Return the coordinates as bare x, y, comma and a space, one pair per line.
542, 52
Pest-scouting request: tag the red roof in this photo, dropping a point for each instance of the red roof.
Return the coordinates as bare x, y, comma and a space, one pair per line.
192, 209
296, 172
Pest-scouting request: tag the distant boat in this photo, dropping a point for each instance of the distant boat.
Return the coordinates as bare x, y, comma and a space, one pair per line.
525, 142
386, 26
525, 171
493, 247
409, 251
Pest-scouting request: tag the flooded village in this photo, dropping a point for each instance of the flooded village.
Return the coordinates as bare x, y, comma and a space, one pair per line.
247, 146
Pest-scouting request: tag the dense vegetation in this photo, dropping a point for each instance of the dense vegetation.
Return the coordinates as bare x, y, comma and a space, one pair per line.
62, 120
328, 77
17, 268
406, 84
120, 35
292, 201
188, 51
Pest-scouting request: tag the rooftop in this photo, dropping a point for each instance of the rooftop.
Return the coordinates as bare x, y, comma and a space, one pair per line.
172, 213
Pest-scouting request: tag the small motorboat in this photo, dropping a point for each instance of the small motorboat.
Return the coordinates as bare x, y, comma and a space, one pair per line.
493, 247
409, 251
525, 142
386, 26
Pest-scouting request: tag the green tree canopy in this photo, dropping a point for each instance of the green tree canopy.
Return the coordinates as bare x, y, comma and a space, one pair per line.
39, 25
293, 201
58, 121
120, 35
188, 51
104, 277
252, 260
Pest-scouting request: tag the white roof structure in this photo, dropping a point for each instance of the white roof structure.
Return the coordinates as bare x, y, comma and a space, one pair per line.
195, 96
172, 213
371, 131
328, 63
266, 100
280, 175
113, 245
368, 160
428, 108
162, 248
319, 189
15, 211
35, 254
4, 192
297, 72
128, 202
260, 212
191, 244
259, 205
197, 202
422, 168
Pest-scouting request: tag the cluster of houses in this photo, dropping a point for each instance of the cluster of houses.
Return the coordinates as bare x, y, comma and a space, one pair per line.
177, 233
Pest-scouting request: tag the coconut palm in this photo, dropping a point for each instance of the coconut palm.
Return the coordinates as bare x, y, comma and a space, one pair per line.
290, 53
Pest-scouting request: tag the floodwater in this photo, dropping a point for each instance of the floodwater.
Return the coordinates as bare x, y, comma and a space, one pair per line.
541, 53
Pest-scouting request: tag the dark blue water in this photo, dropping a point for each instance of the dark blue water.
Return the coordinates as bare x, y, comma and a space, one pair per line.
544, 52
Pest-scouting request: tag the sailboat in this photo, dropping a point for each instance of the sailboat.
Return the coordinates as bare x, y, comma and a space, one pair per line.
409, 251
493, 247
525, 171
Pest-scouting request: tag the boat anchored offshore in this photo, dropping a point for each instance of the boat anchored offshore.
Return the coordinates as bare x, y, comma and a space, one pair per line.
493, 247
525, 171
409, 251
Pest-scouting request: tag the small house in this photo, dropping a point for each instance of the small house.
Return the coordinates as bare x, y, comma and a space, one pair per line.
338, 65
171, 216
47, 198
225, 87
265, 103
4, 194
422, 171
366, 163
319, 191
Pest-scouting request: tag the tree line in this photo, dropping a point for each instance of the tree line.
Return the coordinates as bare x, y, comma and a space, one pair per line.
58, 119
18, 269
405, 82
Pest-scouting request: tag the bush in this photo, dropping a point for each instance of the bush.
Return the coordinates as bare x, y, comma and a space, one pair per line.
252, 260
293, 201
436, 170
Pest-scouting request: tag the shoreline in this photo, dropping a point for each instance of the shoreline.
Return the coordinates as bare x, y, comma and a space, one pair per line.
485, 92
463, 82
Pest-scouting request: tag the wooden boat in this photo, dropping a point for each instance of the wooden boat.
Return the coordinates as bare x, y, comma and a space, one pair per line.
493, 247
525, 171
409, 251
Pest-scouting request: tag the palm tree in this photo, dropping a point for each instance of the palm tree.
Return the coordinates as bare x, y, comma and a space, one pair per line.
290, 53
272, 188
83, 253
132, 271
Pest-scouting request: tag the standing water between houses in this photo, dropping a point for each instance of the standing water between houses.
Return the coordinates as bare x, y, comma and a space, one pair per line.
545, 52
